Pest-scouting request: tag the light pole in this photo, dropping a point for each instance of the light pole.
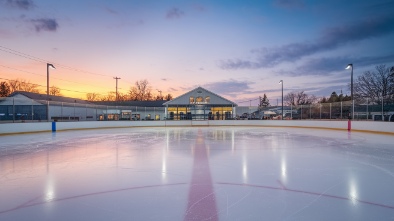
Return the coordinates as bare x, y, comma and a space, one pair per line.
351, 88
116, 78
281, 82
48, 66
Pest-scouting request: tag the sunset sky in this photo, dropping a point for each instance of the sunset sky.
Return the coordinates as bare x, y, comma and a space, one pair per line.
238, 49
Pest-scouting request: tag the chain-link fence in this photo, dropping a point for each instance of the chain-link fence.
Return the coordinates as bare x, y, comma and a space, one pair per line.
378, 109
28, 110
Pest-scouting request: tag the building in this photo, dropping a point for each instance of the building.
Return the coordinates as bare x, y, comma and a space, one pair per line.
199, 104
27, 106
22, 105
134, 110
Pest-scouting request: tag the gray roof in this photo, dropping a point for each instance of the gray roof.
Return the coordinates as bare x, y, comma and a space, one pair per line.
132, 103
43, 97
215, 99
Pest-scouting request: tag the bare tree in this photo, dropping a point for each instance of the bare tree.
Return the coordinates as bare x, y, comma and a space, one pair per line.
92, 97
133, 94
111, 96
14, 85
299, 98
54, 91
23, 85
373, 85
168, 97
141, 91
4, 89
122, 97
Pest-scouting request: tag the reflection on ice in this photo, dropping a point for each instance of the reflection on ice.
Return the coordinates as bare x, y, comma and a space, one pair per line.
49, 189
353, 190
283, 168
155, 173
244, 169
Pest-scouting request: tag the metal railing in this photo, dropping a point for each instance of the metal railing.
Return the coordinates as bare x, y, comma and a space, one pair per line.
380, 109
28, 110
14, 109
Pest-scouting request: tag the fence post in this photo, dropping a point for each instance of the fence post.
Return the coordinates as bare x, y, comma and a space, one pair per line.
330, 111
48, 110
367, 110
13, 110
61, 112
74, 111
320, 110
291, 111
32, 110
310, 111
341, 111
301, 113
382, 109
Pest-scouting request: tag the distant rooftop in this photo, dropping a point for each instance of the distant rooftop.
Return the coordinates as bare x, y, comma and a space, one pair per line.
43, 97
132, 103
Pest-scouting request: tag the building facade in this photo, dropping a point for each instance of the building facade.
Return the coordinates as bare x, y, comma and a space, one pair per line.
200, 104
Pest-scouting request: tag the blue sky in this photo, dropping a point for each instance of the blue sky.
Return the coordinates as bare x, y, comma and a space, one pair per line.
238, 49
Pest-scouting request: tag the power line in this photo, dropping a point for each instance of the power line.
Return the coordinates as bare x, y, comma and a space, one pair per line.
17, 53
39, 85
28, 72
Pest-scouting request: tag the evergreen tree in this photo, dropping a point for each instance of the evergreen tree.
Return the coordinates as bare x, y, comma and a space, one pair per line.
264, 101
333, 98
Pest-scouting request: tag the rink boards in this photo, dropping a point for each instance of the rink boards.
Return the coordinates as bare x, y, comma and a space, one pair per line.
359, 126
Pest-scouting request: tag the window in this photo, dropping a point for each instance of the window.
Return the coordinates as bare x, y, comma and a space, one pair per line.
199, 99
207, 99
191, 100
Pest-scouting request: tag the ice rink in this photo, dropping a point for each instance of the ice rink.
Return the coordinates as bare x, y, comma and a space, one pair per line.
197, 173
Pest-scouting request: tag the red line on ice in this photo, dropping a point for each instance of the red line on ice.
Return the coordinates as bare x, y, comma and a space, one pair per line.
310, 193
202, 200
31, 202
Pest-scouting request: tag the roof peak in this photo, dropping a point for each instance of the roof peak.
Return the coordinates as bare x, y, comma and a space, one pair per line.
181, 97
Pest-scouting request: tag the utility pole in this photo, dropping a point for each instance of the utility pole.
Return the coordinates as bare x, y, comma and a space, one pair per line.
116, 78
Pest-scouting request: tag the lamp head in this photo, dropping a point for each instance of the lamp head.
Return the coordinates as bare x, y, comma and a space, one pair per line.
349, 66
51, 66
281, 82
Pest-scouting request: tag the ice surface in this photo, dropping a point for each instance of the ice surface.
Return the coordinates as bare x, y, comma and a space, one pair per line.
192, 173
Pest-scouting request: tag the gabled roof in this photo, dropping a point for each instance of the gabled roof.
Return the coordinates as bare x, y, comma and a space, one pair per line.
215, 99
43, 97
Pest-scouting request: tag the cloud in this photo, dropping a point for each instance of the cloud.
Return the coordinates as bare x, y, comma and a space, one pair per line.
174, 13
45, 24
171, 89
229, 87
20, 4
324, 66
289, 4
5, 34
199, 7
110, 11
330, 38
